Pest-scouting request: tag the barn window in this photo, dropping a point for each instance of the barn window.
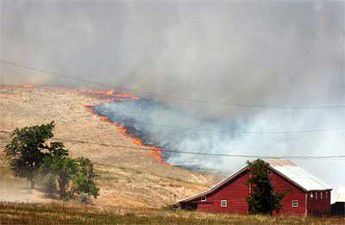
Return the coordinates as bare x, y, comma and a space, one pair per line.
321, 195
203, 199
294, 203
311, 195
326, 195
315, 195
224, 203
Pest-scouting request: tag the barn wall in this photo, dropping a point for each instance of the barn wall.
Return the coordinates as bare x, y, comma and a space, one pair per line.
280, 184
234, 192
319, 206
237, 191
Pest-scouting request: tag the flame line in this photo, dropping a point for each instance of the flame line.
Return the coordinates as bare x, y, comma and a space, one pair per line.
202, 153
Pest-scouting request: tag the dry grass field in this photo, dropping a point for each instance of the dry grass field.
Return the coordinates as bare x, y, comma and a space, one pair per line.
55, 214
134, 186
127, 177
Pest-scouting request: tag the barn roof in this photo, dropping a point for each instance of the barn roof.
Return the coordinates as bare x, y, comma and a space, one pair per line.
340, 194
286, 168
297, 175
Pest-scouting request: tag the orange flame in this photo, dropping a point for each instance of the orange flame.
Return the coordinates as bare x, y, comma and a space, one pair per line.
110, 95
156, 153
103, 118
109, 92
25, 86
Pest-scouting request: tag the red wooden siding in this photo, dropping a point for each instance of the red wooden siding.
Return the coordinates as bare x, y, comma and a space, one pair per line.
294, 193
319, 203
235, 192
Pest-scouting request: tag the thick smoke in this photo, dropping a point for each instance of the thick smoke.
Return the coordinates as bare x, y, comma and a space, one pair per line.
229, 54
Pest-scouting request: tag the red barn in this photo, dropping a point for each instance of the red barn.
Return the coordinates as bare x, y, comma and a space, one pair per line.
306, 194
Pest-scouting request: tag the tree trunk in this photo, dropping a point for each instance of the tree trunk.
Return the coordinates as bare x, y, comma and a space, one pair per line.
32, 184
62, 187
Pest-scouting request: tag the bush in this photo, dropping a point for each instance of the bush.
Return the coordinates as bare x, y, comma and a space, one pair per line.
84, 180
262, 198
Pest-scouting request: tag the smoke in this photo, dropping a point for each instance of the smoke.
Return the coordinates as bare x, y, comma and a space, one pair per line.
265, 133
225, 53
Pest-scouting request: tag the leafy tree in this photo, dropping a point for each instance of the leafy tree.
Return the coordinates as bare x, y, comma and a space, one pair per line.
63, 168
84, 180
30, 153
75, 173
52, 167
28, 149
263, 199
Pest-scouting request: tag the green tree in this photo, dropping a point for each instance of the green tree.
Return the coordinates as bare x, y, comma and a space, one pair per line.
77, 174
28, 149
31, 154
263, 199
64, 168
84, 180
58, 165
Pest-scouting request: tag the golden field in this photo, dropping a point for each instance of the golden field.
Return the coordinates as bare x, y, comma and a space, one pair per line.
128, 177
134, 186
56, 214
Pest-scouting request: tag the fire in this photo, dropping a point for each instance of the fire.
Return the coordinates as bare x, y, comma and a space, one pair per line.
137, 142
103, 118
110, 95
122, 130
157, 155
109, 92
125, 96
25, 86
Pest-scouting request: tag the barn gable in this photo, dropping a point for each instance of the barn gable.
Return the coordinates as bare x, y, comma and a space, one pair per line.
285, 176
297, 175
215, 187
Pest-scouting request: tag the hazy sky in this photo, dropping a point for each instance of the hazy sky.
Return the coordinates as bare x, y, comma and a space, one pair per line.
244, 51
271, 53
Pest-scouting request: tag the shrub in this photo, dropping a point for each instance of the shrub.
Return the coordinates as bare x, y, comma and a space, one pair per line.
262, 199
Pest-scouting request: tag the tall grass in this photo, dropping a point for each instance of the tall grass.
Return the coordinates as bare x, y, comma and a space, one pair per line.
54, 214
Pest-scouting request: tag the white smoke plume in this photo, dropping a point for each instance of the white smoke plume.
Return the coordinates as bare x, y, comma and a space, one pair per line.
231, 54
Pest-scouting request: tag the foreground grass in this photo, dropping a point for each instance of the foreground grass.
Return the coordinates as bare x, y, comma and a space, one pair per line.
13, 213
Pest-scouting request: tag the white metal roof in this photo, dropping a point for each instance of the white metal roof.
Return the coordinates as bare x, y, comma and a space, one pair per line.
298, 175
286, 168
340, 195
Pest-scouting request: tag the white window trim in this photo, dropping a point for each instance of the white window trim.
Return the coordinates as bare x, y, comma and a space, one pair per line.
224, 203
203, 199
294, 204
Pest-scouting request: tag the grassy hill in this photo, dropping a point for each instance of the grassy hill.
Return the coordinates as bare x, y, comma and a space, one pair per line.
128, 177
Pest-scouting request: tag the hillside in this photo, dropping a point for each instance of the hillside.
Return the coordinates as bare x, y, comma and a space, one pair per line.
128, 177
